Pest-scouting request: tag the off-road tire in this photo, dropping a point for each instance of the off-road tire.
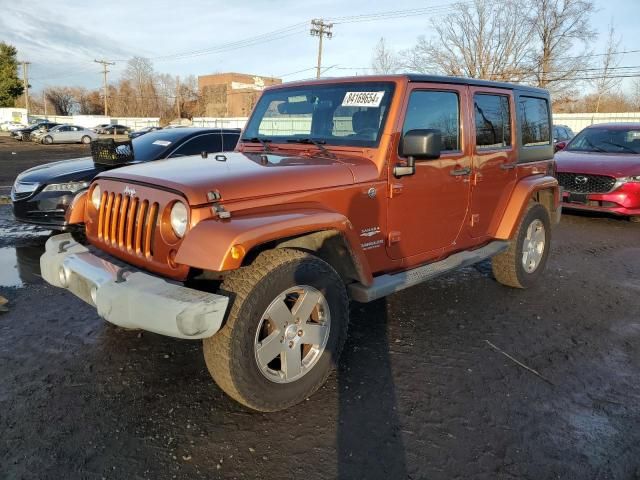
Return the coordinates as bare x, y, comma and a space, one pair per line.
229, 354
507, 266
47, 140
86, 140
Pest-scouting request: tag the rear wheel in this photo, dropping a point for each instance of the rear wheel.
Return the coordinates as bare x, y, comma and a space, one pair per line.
635, 219
525, 259
284, 333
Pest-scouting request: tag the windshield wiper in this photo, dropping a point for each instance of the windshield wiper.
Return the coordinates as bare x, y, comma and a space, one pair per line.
624, 147
317, 143
261, 141
596, 148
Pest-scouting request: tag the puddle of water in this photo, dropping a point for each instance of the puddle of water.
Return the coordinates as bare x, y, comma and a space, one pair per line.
9, 274
20, 265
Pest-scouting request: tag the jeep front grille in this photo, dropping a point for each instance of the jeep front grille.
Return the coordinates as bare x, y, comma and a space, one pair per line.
127, 223
583, 183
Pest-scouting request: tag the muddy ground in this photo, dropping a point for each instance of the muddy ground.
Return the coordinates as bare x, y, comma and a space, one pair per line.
419, 392
17, 156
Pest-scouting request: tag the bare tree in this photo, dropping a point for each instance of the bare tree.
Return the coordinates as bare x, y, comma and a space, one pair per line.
384, 60
62, 100
140, 74
88, 101
605, 80
560, 26
490, 40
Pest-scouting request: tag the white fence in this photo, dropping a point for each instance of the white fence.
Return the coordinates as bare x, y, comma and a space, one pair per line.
90, 121
578, 121
219, 122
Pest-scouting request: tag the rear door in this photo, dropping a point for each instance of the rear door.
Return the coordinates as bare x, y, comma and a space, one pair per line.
426, 210
494, 157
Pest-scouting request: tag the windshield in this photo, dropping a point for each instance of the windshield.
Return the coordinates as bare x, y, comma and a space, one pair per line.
336, 114
606, 140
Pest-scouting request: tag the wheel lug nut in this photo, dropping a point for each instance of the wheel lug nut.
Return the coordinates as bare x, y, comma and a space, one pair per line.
300, 333
291, 344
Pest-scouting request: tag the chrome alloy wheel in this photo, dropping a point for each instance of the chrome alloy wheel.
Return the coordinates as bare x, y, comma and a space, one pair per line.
533, 246
292, 334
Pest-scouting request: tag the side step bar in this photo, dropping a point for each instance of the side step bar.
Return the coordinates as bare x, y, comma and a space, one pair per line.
390, 283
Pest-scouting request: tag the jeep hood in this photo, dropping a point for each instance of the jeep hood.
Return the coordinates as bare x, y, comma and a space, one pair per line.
246, 175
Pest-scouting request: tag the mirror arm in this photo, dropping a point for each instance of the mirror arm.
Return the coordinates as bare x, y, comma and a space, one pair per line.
408, 169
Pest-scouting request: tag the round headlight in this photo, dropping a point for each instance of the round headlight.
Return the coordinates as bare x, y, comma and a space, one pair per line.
96, 197
179, 219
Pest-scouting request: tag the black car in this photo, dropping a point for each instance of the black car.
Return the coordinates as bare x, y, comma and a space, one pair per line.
41, 195
142, 131
114, 130
23, 133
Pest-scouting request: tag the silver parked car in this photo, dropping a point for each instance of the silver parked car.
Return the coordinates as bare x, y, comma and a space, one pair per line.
68, 134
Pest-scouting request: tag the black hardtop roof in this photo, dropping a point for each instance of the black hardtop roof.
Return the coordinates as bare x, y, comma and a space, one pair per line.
476, 82
414, 77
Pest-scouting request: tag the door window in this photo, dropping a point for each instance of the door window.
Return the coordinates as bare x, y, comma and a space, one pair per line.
534, 115
211, 143
437, 110
493, 121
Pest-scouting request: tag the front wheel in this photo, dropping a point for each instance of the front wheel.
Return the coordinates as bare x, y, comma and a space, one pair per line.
284, 333
48, 140
86, 139
525, 259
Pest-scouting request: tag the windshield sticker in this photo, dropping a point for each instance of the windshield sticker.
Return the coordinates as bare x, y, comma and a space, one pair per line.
362, 99
162, 143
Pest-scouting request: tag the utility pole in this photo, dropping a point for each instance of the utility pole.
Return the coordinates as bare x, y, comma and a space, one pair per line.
44, 101
320, 29
104, 64
25, 80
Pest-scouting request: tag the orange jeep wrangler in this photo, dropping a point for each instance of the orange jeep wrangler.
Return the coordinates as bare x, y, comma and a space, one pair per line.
350, 188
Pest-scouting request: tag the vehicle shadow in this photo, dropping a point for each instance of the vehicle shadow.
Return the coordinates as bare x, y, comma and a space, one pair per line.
369, 443
369, 437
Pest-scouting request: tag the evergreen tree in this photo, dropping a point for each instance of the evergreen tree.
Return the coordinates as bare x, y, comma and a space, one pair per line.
10, 85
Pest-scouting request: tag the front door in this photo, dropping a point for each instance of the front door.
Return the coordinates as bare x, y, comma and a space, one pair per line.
494, 157
426, 210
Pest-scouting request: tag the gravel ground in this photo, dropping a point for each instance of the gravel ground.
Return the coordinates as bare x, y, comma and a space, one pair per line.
419, 392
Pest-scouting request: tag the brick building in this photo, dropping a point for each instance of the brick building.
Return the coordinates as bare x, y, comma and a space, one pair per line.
232, 94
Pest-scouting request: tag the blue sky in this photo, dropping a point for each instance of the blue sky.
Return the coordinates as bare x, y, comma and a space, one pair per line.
62, 38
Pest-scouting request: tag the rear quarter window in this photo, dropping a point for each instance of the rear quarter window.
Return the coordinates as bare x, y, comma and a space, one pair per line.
534, 116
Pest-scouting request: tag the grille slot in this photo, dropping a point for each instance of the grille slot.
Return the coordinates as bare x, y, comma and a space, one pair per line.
584, 183
127, 223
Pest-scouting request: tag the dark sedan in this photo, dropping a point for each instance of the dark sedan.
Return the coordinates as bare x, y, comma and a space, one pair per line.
114, 130
142, 131
41, 195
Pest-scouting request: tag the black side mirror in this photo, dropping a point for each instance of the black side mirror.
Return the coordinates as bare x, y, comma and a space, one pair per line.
420, 144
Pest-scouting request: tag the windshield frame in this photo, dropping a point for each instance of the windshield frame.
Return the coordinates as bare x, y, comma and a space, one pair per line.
251, 130
582, 136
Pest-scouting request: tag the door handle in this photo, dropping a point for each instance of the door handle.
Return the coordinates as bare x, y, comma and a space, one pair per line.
460, 172
508, 166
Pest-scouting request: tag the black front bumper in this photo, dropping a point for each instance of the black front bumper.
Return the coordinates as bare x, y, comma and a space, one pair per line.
46, 209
